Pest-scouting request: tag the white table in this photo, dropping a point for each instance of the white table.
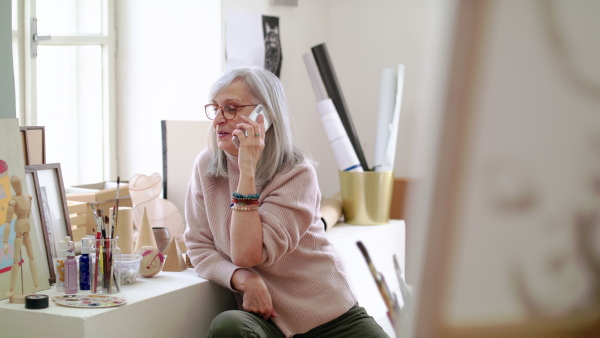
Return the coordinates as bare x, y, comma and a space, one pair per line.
170, 304
181, 304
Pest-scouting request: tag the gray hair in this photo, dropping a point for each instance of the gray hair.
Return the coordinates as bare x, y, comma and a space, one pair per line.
280, 153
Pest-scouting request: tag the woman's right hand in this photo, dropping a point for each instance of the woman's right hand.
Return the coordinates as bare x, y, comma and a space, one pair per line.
257, 298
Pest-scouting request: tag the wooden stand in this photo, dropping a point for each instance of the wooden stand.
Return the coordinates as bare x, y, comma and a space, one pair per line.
19, 298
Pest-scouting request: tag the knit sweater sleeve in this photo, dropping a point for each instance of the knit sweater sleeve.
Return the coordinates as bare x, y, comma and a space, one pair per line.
289, 207
208, 262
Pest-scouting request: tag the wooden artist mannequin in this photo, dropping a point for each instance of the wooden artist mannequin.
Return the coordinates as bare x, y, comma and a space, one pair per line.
20, 205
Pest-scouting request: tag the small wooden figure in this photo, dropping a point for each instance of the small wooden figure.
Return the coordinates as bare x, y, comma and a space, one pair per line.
19, 205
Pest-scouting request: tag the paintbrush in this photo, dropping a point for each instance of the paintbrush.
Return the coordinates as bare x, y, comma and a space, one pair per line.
116, 210
107, 255
406, 294
110, 269
98, 237
388, 297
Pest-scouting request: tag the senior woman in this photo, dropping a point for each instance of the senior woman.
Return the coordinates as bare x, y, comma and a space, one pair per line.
254, 224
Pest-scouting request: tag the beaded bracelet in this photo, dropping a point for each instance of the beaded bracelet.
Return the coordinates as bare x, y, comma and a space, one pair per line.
244, 202
245, 197
236, 207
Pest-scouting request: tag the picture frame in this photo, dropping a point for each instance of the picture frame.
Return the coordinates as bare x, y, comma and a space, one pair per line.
36, 222
52, 206
34, 144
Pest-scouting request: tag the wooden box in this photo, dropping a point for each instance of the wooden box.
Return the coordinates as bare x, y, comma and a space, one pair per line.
103, 195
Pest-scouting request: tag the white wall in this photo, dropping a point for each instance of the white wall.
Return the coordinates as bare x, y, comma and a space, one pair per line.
363, 37
167, 54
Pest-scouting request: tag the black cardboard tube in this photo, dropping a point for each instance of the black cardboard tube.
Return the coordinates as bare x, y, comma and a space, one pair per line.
333, 90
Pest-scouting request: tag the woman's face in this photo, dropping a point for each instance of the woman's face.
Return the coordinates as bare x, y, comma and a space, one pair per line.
236, 94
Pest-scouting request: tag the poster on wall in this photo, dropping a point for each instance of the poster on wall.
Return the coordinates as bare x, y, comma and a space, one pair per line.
21, 259
252, 40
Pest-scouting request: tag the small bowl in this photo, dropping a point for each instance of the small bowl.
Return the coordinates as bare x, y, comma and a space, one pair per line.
128, 268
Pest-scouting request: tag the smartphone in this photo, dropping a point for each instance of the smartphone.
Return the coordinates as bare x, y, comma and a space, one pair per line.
254, 117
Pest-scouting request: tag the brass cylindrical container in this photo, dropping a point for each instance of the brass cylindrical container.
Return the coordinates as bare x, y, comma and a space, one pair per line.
366, 196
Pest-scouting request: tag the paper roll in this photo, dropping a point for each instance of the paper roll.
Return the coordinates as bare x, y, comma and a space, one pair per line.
342, 148
330, 82
124, 230
387, 100
315, 78
331, 210
390, 150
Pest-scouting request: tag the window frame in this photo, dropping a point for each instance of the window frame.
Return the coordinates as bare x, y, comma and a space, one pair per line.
26, 72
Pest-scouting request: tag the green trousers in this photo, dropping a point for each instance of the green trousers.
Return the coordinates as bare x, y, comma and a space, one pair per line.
354, 323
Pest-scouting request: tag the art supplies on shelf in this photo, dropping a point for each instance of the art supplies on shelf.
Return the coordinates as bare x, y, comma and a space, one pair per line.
105, 279
329, 78
346, 145
343, 150
390, 100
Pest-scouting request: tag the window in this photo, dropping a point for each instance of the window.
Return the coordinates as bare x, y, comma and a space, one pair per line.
65, 82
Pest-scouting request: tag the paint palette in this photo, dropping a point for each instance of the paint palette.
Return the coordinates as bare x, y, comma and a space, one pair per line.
89, 301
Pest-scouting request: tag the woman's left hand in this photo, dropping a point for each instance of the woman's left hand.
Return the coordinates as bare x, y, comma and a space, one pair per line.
257, 298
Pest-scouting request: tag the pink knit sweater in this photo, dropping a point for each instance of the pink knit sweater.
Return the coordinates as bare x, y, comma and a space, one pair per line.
302, 270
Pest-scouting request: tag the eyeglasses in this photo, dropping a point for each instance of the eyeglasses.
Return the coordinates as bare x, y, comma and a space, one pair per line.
229, 110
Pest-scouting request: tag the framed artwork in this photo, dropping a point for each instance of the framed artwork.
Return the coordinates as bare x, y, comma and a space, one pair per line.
34, 144
36, 221
51, 205
12, 174
514, 216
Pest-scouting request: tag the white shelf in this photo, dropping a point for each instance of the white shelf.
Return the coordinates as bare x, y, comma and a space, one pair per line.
181, 304
170, 304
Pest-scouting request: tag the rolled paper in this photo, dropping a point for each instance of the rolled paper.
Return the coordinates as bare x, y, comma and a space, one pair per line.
331, 210
333, 90
315, 78
387, 100
124, 230
390, 154
342, 148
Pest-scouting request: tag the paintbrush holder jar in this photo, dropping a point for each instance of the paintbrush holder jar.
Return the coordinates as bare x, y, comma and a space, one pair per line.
106, 256
366, 196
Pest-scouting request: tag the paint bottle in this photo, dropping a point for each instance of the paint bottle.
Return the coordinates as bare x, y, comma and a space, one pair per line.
84, 265
70, 270
59, 265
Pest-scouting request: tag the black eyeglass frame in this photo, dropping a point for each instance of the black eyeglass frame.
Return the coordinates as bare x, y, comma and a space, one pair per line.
217, 108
